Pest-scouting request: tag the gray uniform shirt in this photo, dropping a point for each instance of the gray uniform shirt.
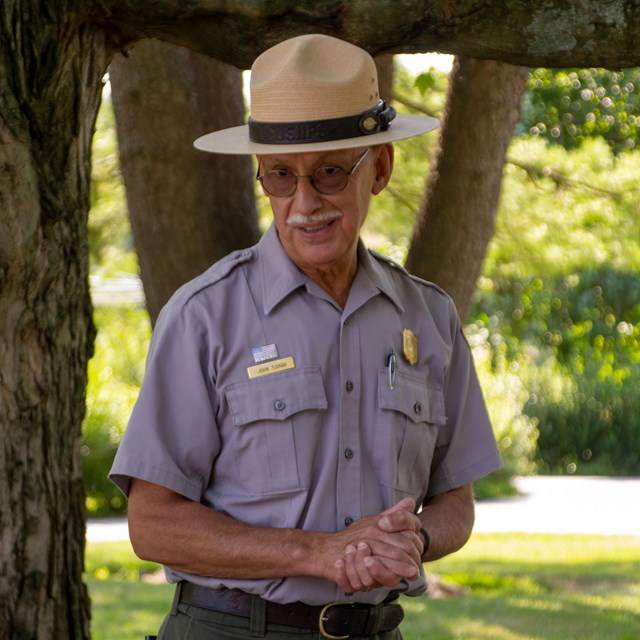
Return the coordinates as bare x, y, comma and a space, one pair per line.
266, 401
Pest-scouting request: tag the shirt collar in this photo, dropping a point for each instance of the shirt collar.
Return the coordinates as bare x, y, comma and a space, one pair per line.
380, 274
280, 275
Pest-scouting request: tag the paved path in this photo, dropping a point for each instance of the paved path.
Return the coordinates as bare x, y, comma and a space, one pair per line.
566, 504
547, 504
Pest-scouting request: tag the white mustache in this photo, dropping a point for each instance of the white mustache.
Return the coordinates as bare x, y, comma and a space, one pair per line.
301, 219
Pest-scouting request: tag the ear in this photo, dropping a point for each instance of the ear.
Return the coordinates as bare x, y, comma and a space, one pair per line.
383, 163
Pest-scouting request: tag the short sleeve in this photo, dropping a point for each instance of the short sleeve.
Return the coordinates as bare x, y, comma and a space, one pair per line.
172, 437
466, 449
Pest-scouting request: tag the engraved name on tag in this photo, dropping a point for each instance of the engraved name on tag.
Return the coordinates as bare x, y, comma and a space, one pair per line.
267, 368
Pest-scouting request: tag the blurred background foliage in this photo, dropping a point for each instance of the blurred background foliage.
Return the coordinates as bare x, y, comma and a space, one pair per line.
115, 375
567, 106
555, 327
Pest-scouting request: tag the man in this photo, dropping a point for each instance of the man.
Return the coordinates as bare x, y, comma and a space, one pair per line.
310, 420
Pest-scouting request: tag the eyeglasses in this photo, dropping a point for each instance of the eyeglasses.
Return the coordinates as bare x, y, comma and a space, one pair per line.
328, 179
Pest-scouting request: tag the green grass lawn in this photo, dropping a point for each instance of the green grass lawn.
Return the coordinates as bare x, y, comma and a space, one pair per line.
517, 587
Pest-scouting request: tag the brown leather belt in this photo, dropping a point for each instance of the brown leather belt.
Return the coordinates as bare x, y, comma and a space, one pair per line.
336, 620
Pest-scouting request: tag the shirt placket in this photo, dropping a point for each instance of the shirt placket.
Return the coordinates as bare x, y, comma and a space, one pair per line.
349, 474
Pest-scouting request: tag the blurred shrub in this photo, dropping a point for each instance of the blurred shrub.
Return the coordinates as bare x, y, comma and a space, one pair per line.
506, 397
566, 106
115, 375
574, 342
560, 297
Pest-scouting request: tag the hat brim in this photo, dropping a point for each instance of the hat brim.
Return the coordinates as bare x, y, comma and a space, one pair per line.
235, 141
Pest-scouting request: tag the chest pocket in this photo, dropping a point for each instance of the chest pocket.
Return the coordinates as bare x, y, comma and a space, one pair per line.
406, 431
266, 414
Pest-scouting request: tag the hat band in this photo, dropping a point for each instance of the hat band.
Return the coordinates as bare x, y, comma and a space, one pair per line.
371, 121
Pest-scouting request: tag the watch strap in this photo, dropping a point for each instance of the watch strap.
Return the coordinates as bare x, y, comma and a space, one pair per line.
427, 541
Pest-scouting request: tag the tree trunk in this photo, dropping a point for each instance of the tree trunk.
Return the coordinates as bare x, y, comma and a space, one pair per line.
187, 208
384, 66
456, 219
50, 86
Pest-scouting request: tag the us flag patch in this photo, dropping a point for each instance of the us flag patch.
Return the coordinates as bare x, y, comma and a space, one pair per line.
266, 352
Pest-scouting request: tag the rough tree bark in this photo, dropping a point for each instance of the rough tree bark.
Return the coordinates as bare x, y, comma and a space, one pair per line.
456, 218
52, 59
187, 208
567, 33
49, 104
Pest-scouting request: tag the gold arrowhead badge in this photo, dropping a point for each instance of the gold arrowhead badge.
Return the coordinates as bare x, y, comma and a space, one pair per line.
410, 346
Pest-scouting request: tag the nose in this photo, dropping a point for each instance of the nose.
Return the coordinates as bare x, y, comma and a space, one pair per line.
306, 198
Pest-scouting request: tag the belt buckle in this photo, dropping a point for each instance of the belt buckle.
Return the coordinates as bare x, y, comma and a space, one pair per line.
321, 620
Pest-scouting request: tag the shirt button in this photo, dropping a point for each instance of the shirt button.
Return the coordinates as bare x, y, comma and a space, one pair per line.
348, 521
348, 454
417, 407
279, 405
349, 386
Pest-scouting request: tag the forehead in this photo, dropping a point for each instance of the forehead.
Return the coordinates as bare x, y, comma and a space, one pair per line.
309, 158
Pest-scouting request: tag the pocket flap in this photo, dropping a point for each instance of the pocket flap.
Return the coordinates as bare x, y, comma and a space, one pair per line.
413, 396
276, 397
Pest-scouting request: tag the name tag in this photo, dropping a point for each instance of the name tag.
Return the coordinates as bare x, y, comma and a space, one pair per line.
267, 368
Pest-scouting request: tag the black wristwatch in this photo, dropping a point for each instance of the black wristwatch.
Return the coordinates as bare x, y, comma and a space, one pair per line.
427, 540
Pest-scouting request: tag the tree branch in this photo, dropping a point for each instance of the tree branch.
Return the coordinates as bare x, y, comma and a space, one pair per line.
560, 179
415, 106
574, 33
394, 193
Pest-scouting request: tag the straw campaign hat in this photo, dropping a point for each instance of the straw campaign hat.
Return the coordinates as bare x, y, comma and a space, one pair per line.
314, 93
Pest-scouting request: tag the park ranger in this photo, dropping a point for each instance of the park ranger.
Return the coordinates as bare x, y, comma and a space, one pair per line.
310, 421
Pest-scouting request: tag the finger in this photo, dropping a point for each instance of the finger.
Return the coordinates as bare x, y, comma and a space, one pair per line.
366, 572
363, 551
403, 547
386, 569
416, 540
399, 520
351, 568
356, 567
340, 576
389, 573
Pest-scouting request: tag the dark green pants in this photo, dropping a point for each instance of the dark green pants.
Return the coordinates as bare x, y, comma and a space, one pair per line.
186, 622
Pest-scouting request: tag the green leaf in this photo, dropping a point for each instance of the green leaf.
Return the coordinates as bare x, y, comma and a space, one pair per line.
425, 82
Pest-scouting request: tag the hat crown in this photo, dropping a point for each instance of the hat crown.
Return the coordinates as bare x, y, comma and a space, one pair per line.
314, 93
312, 77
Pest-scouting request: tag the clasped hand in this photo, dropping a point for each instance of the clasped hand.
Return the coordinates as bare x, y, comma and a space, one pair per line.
380, 550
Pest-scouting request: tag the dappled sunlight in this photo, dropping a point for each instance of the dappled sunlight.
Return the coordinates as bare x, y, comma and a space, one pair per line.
120, 611
536, 586
511, 586
510, 616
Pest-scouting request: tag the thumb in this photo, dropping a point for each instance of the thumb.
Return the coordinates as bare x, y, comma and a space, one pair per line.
390, 523
406, 504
